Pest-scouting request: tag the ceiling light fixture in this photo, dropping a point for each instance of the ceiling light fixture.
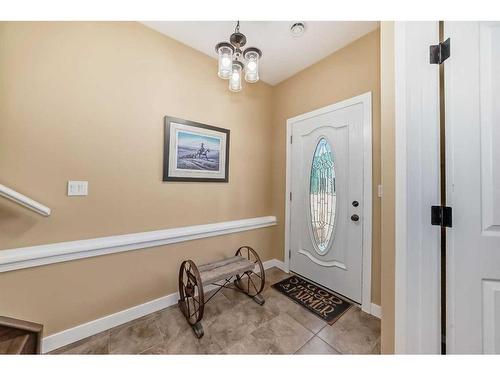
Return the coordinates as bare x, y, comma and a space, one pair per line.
233, 60
297, 29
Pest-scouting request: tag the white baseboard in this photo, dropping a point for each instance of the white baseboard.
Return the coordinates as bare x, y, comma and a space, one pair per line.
82, 331
376, 310
275, 263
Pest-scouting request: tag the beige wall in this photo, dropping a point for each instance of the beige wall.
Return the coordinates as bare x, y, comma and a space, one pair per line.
348, 72
388, 183
86, 101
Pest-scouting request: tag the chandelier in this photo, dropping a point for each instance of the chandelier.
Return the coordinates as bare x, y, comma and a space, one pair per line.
233, 61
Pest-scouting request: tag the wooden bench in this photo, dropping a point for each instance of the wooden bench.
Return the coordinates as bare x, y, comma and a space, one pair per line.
243, 272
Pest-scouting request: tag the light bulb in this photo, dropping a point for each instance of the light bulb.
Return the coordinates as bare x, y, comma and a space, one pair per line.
235, 78
252, 56
251, 66
226, 61
225, 52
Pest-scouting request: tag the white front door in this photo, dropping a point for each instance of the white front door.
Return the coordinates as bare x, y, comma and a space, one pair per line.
328, 208
472, 89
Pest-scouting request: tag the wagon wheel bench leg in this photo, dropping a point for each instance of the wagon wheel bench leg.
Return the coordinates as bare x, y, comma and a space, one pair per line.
251, 283
259, 299
198, 330
192, 297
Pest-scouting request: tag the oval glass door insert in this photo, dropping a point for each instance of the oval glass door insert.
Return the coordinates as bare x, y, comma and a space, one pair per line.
322, 196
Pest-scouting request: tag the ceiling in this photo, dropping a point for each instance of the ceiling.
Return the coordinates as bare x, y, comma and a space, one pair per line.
283, 55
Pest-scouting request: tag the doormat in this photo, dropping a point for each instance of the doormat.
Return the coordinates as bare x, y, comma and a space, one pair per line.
319, 301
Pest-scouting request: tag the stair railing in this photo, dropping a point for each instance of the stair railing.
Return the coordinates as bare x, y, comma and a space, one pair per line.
23, 200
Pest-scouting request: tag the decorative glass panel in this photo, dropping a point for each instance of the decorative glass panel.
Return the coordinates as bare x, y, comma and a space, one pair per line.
322, 195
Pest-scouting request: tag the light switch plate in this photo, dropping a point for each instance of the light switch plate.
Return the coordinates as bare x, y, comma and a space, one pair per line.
78, 188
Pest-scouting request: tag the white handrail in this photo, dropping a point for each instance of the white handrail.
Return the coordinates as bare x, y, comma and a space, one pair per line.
23, 200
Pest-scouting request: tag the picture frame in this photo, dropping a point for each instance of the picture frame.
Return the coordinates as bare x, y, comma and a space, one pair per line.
195, 152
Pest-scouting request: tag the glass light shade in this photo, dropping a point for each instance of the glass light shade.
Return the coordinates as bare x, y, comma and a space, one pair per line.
252, 66
235, 78
225, 61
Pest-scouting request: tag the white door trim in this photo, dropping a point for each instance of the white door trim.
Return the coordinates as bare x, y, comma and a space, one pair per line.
366, 100
417, 273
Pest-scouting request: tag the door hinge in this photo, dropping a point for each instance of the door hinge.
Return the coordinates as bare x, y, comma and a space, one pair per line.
442, 216
291, 139
290, 196
439, 52
289, 253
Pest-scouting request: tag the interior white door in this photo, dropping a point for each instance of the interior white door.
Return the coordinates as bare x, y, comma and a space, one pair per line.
327, 204
472, 89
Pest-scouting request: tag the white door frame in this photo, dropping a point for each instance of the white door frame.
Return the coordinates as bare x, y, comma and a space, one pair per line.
366, 100
418, 243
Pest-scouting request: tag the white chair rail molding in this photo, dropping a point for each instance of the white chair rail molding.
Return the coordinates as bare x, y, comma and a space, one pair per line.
32, 256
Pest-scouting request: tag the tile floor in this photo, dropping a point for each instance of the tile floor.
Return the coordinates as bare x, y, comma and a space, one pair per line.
234, 324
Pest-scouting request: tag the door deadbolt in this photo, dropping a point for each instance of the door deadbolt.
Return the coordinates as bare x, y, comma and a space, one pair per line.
355, 217
355, 203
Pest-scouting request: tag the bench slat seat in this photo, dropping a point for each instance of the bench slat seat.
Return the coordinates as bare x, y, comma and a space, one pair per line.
223, 269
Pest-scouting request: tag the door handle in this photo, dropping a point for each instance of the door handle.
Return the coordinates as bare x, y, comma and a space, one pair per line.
355, 217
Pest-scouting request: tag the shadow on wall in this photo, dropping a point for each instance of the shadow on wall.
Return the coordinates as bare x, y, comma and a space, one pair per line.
14, 222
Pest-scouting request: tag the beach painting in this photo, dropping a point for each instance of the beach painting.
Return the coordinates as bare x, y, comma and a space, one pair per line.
195, 152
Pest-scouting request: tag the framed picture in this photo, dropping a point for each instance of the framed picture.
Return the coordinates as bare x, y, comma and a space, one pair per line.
195, 152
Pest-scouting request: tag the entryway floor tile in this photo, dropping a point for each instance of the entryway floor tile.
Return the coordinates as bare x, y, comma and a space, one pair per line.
235, 324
